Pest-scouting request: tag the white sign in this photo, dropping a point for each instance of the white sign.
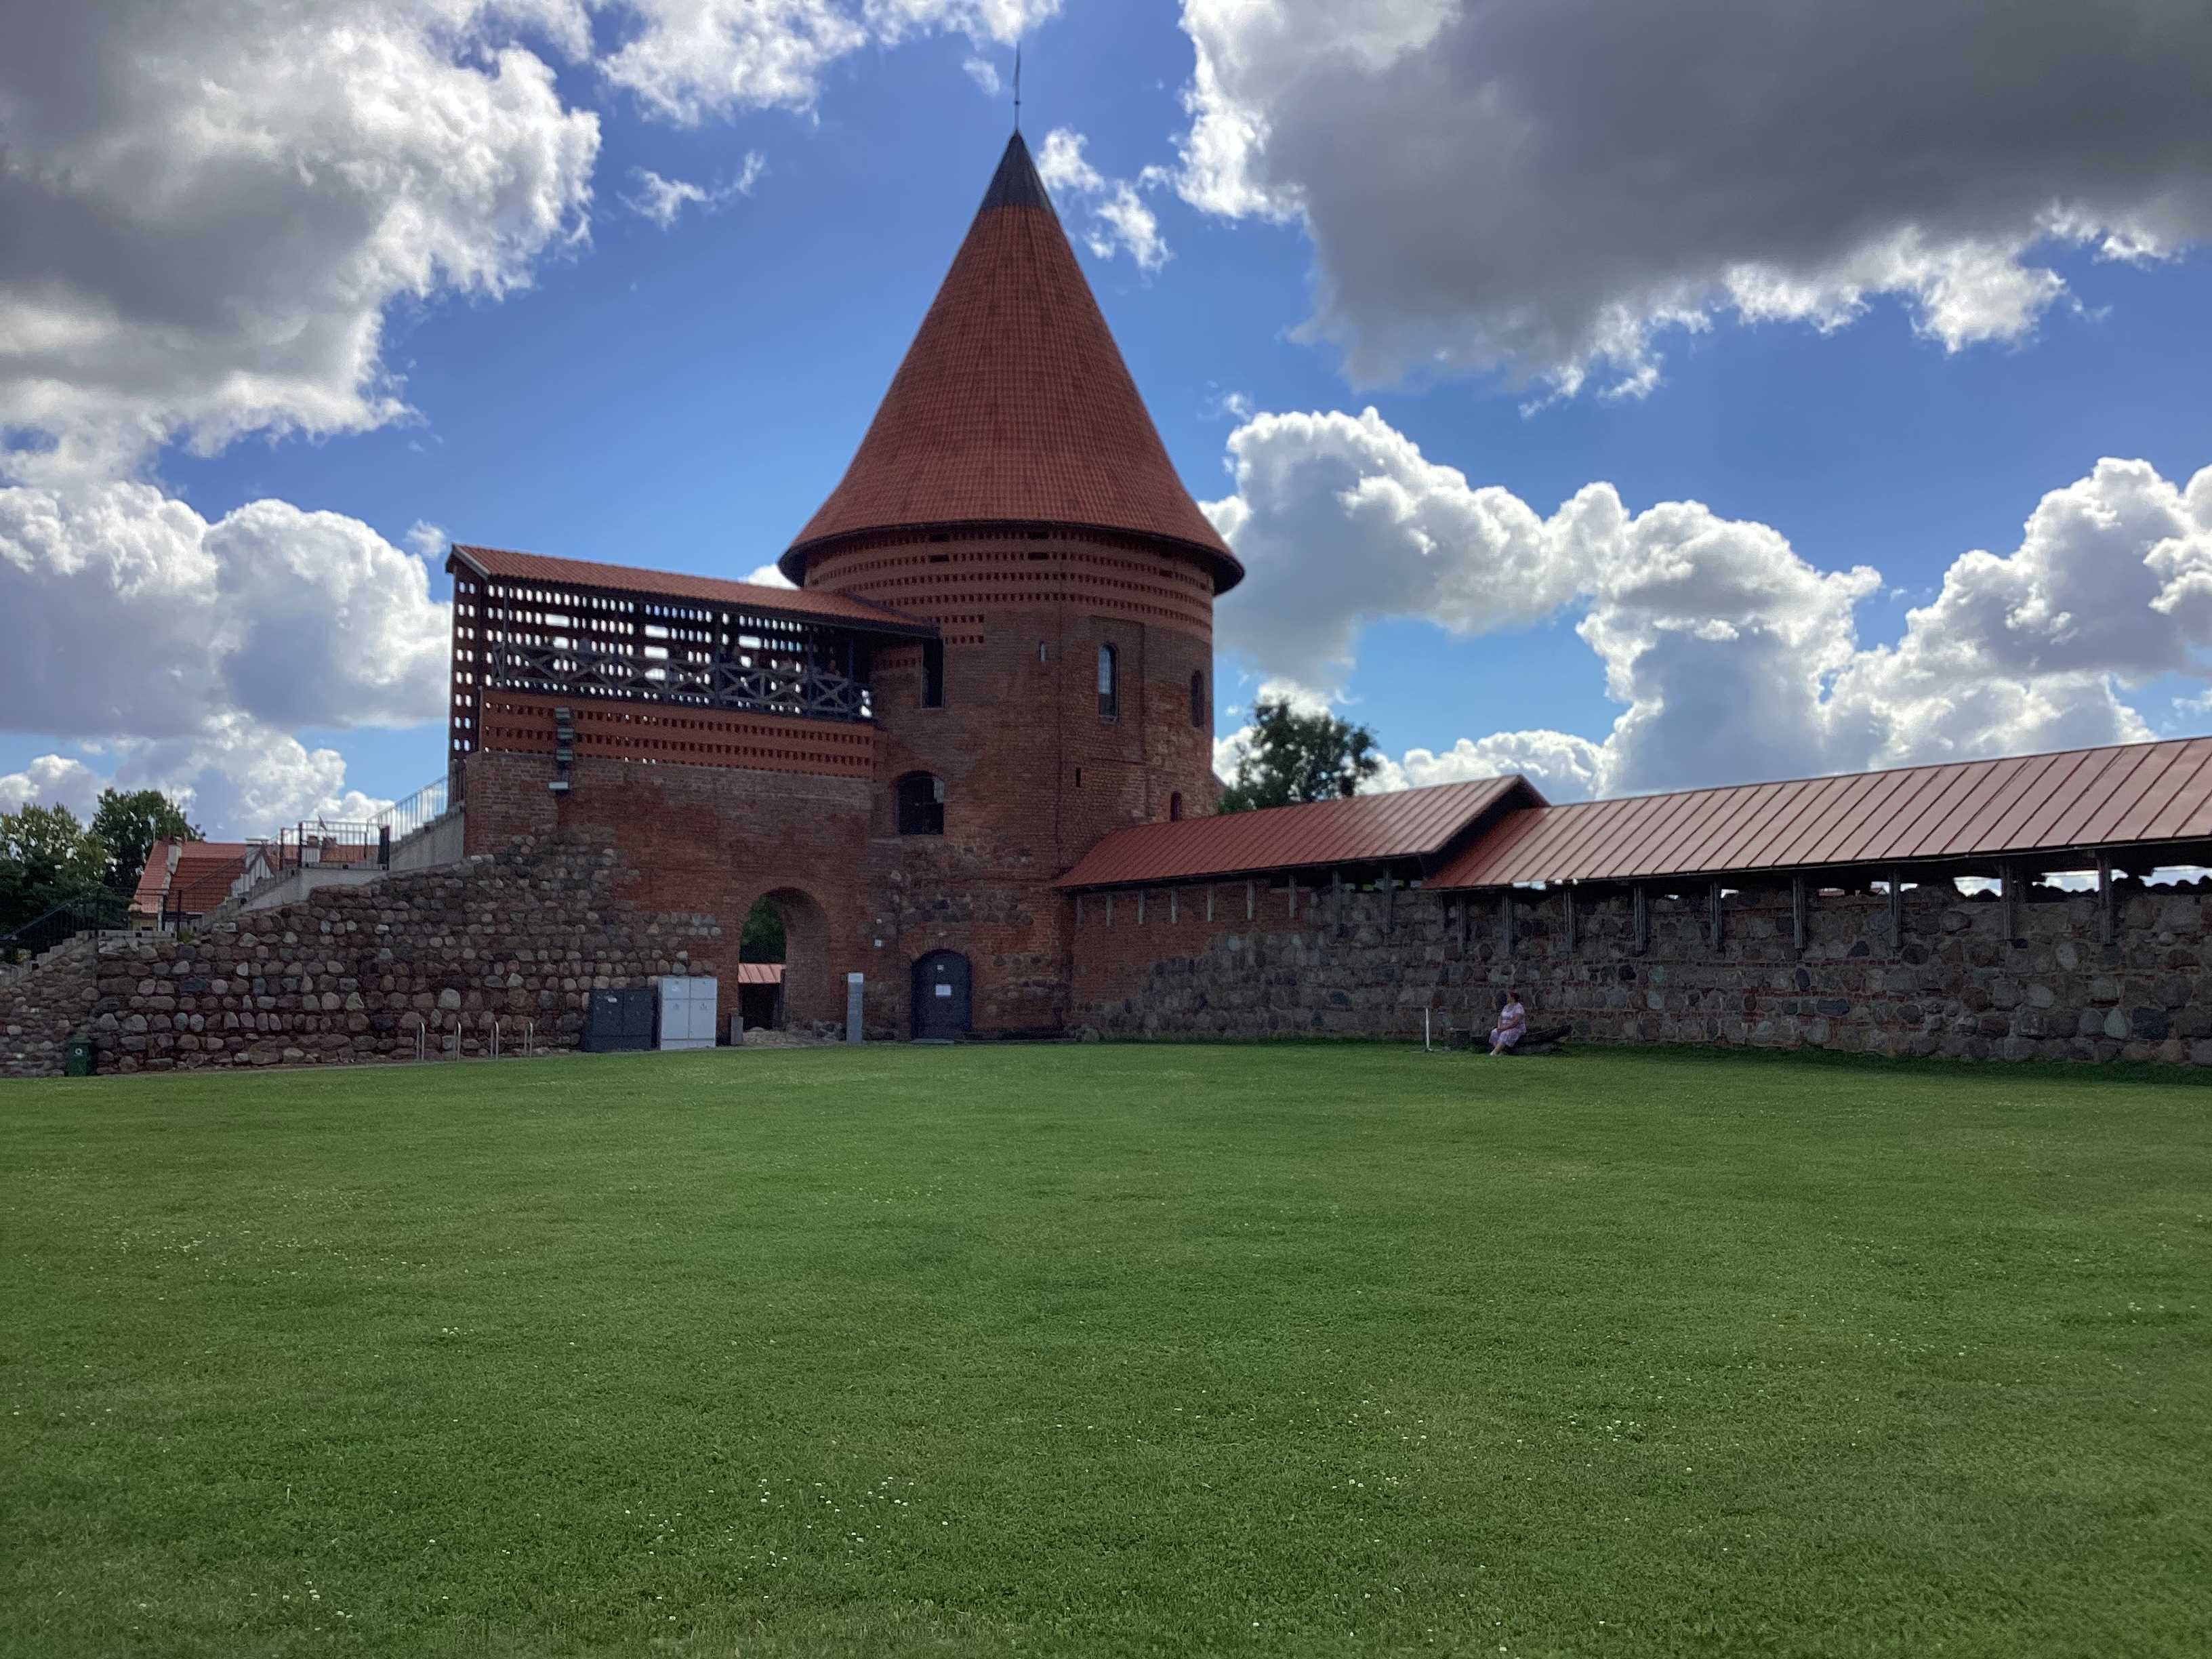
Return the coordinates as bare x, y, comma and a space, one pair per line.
944, 990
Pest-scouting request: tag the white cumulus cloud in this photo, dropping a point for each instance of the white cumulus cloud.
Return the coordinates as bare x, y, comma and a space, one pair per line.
1119, 219
1539, 190
1732, 656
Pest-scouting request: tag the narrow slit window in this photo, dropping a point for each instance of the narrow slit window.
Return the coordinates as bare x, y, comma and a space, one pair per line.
932, 674
1198, 699
1110, 703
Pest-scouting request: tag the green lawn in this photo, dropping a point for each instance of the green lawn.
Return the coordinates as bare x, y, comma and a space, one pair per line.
1118, 1350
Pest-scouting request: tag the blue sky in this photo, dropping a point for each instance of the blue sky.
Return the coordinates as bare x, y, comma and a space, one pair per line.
683, 397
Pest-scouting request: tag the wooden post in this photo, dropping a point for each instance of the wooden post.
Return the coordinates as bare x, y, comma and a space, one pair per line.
1716, 925
1336, 899
1209, 901
1078, 909
1896, 910
1507, 917
1141, 907
2107, 922
1389, 900
1251, 900
2009, 893
1174, 903
1567, 898
1110, 909
1290, 891
1799, 904
1466, 921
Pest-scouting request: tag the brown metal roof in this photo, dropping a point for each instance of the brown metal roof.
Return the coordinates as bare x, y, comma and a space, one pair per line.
836, 607
2082, 797
1013, 404
1364, 830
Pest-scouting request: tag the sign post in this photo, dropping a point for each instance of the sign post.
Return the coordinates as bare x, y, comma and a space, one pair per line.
856, 984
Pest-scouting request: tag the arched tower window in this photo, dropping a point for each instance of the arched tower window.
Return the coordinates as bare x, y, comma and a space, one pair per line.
1198, 699
1110, 702
920, 804
1175, 806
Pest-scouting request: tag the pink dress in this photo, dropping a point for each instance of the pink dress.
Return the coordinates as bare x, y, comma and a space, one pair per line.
1512, 1021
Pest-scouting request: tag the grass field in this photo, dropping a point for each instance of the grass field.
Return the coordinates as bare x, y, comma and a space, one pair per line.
1108, 1350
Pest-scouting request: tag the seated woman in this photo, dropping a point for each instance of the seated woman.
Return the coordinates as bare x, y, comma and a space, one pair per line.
1512, 1024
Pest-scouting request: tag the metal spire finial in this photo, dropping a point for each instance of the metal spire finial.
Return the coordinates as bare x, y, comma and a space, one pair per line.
1018, 86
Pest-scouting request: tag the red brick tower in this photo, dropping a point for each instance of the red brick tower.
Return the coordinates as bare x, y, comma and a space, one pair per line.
1013, 490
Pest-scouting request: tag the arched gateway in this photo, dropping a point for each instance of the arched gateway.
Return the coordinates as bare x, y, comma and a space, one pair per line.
994, 657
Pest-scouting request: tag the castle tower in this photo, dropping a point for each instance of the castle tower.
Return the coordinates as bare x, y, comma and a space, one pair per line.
1013, 490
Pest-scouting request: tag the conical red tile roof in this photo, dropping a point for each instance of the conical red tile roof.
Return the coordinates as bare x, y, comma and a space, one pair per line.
1014, 404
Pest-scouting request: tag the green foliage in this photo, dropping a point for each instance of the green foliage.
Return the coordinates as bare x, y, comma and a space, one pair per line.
129, 825
46, 858
1108, 1352
1292, 757
763, 936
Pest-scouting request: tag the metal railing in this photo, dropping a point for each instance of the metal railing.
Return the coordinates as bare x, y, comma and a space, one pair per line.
405, 815
88, 913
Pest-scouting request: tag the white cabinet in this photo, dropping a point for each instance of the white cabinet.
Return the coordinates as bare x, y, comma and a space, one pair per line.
687, 1011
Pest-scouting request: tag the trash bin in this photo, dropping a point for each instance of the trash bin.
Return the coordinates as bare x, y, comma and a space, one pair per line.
77, 1061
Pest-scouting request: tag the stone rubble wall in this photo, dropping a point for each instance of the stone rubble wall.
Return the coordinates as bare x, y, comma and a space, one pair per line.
1955, 986
347, 977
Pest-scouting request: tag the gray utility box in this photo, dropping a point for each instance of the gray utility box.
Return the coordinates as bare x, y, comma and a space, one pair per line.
687, 1011
615, 1021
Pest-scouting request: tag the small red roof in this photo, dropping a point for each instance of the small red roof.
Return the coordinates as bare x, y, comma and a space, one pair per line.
836, 607
201, 880
1013, 404
2130, 794
760, 973
1363, 829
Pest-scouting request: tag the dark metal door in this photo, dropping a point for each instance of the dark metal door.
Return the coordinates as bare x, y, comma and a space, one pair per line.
941, 995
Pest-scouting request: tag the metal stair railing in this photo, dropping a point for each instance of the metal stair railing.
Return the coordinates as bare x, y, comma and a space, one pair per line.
88, 913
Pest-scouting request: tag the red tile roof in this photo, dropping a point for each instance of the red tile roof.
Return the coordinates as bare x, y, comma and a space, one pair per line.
833, 608
201, 881
2136, 793
1014, 404
1364, 830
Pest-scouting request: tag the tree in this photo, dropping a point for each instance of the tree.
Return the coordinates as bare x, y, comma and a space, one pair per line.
129, 825
46, 858
763, 935
1291, 757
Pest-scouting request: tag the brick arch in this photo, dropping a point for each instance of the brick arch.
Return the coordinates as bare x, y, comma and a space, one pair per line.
812, 988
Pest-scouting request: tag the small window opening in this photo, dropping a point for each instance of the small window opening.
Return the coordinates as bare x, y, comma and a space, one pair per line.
1040, 554
920, 804
1198, 699
1079, 777
1110, 703
1175, 806
940, 558
932, 673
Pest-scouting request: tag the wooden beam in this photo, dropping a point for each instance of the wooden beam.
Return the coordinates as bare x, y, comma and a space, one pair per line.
1801, 905
1567, 898
1640, 910
1896, 910
1508, 917
1389, 899
1251, 899
1141, 907
2107, 921
2009, 893
1209, 901
1174, 903
1716, 918
1336, 899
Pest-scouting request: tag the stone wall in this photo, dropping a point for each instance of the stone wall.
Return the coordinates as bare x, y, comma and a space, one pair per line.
1955, 984
347, 977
